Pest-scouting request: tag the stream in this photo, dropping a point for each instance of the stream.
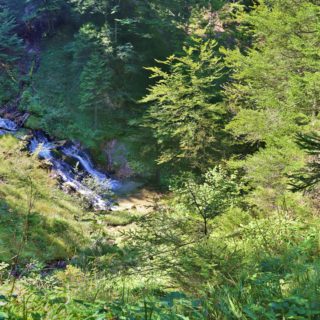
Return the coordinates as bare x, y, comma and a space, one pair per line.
71, 164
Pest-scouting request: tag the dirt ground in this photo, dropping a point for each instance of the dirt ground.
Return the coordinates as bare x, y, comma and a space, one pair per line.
142, 202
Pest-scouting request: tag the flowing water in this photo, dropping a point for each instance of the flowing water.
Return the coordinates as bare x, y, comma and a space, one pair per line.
7, 125
70, 162
72, 176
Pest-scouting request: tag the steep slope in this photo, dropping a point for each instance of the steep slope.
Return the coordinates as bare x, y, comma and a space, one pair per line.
34, 213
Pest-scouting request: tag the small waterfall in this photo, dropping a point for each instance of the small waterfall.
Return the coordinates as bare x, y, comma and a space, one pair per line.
74, 152
83, 158
41, 144
65, 172
7, 125
46, 149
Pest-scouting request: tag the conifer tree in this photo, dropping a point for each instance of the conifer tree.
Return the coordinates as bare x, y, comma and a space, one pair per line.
309, 177
213, 196
186, 113
95, 86
274, 93
10, 51
278, 77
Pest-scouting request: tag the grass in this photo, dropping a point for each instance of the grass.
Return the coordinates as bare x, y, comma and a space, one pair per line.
119, 218
50, 230
267, 267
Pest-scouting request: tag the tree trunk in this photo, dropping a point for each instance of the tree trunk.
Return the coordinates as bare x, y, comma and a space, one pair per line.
205, 221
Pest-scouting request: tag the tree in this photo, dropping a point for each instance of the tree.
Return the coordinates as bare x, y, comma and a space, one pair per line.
309, 177
186, 113
49, 11
213, 196
37, 17
10, 51
277, 80
94, 85
274, 94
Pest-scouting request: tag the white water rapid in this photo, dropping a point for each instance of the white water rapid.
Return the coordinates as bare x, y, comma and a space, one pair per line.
72, 177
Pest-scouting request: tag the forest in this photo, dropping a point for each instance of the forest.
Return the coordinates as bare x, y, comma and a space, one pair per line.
159, 159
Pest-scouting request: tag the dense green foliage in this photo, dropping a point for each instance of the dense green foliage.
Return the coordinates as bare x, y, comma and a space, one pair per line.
308, 177
186, 112
10, 51
215, 103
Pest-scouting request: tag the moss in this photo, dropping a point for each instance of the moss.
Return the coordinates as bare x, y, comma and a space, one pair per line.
33, 122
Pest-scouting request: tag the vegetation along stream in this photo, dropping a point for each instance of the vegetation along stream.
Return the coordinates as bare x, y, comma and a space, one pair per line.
159, 159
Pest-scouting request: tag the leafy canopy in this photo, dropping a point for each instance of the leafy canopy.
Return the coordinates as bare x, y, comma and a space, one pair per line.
186, 113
